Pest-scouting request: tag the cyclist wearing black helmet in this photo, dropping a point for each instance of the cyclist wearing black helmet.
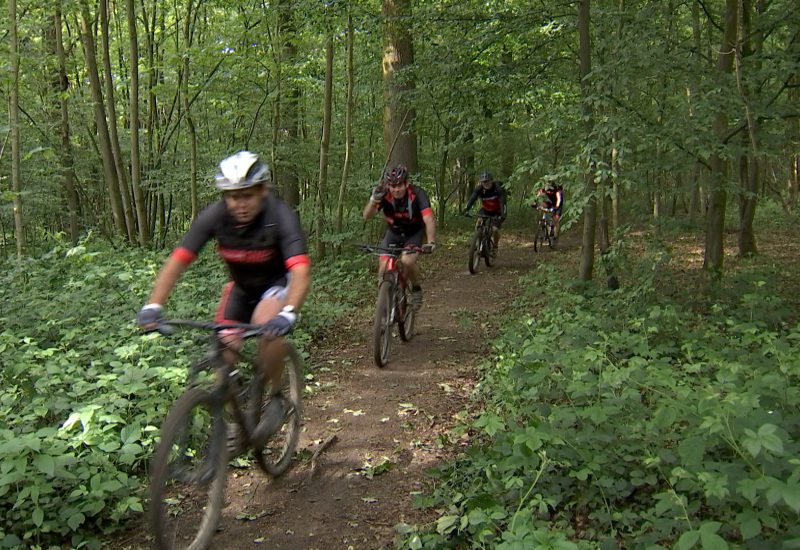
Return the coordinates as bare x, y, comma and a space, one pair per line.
260, 238
408, 212
552, 196
493, 203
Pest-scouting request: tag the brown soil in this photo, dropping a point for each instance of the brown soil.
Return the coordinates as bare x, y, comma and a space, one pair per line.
401, 414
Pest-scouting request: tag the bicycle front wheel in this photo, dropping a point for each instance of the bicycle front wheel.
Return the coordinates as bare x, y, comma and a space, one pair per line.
474, 252
539, 237
275, 455
406, 315
488, 250
188, 473
382, 327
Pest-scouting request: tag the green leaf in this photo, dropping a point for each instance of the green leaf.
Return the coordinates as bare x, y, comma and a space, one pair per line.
37, 516
446, 524
45, 464
688, 540
75, 521
712, 541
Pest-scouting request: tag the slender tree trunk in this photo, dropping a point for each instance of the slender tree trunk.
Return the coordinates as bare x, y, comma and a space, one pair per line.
615, 188
104, 143
136, 170
323, 148
348, 124
187, 44
400, 140
61, 120
285, 117
717, 196
750, 177
590, 212
119, 163
13, 115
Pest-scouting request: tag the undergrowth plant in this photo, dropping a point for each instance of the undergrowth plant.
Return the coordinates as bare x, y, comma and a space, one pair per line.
630, 419
82, 391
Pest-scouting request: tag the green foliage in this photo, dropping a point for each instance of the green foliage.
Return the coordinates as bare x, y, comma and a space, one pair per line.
82, 392
630, 419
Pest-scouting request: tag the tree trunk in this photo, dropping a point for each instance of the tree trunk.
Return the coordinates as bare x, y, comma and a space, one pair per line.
61, 85
348, 125
13, 115
400, 141
104, 144
717, 196
749, 174
285, 114
136, 171
590, 212
187, 44
119, 164
323, 149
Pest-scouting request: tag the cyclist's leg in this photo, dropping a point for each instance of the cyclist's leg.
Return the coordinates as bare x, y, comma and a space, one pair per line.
412, 270
390, 239
557, 220
271, 353
497, 223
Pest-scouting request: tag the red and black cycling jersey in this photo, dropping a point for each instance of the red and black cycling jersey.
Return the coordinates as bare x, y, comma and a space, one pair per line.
554, 195
404, 215
258, 253
493, 200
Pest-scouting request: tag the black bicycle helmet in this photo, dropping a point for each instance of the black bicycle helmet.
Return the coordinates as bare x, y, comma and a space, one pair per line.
242, 170
397, 174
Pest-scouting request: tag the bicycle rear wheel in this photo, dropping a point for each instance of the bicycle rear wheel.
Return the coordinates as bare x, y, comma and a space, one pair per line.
406, 316
382, 327
474, 251
275, 455
188, 473
552, 239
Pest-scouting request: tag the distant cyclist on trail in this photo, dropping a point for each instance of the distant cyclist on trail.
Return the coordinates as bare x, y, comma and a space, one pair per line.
260, 238
493, 203
408, 213
552, 196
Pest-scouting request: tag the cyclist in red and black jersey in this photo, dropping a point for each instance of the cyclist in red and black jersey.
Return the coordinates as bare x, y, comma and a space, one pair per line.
493, 203
552, 196
408, 213
260, 238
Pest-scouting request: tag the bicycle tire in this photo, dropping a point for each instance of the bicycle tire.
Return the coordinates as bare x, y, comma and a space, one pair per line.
382, 327
538, 239
185, 503
488, 249
474, 256
552, 240
406, 316
276, 453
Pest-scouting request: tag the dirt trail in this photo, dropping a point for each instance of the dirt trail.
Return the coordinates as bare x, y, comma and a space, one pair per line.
392, 414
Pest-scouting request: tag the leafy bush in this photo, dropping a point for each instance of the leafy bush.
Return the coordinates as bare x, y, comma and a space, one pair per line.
82, 391
631, 420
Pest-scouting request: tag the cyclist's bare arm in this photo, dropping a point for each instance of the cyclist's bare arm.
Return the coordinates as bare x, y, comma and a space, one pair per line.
170, 272
370, 209
430, 227
298, 287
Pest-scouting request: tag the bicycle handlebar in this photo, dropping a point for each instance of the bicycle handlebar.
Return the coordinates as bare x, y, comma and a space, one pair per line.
484, 216
393, 250
167, 327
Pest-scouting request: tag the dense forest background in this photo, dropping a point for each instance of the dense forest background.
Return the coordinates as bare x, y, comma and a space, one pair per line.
639, 108
682, 117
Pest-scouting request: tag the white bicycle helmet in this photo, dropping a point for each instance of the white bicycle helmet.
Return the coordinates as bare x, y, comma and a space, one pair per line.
242, 170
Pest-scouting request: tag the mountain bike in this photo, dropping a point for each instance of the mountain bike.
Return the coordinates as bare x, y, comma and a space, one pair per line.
393, 305
481, 243
545, 230
188, 470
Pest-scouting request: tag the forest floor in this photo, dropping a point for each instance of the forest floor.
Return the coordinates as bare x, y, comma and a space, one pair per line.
391, 424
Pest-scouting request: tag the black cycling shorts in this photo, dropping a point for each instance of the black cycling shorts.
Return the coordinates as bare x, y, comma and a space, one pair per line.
392, 238
496, 222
